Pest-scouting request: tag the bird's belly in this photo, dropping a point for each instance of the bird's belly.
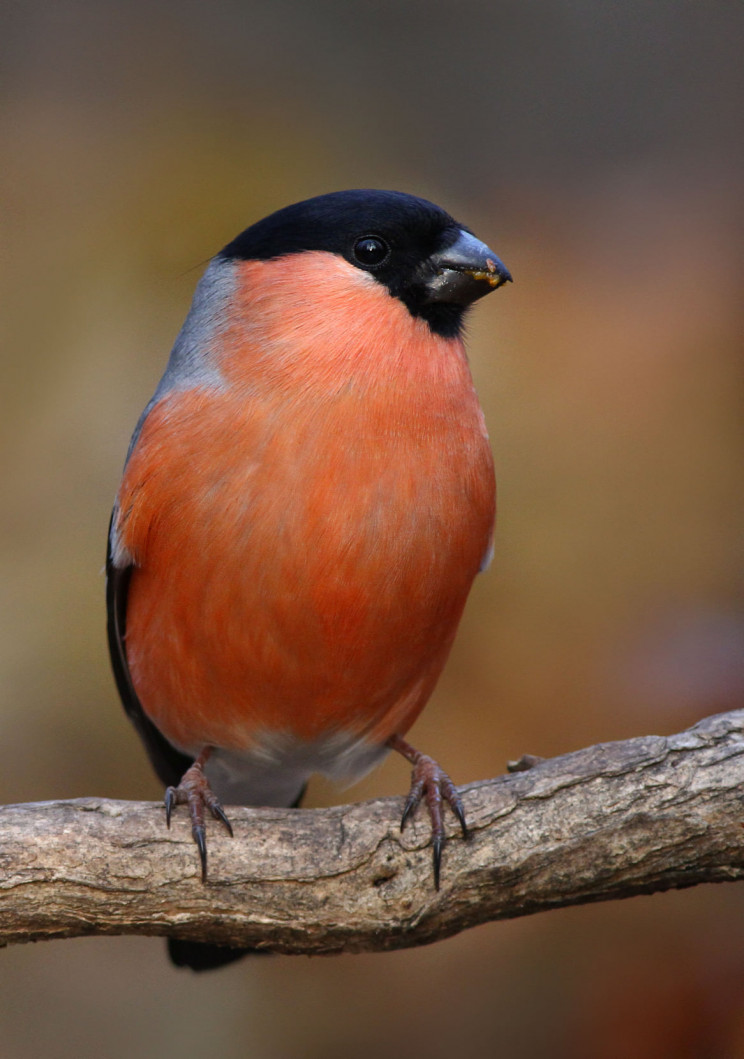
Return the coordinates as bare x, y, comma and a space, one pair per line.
311, 596
275, 770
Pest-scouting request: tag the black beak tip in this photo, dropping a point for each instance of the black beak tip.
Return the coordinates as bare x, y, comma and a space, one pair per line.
465, 271
494, 272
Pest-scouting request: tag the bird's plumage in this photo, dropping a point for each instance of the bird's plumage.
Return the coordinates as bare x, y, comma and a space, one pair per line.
306, 500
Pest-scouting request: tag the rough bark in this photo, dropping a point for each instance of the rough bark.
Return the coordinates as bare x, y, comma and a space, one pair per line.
607, 822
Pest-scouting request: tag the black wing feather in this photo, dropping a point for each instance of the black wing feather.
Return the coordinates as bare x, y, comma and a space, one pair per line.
169, 763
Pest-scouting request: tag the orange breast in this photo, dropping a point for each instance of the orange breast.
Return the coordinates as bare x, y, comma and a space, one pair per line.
305, 536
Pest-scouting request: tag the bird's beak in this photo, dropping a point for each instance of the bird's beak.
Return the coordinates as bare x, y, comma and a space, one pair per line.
464, 272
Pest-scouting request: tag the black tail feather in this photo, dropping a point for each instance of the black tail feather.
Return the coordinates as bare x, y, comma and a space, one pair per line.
201, 956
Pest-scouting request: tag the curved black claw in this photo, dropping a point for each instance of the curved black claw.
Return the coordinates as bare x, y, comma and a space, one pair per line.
437, 845
200, 837
219, 814
430, 782
194, 791
170, 802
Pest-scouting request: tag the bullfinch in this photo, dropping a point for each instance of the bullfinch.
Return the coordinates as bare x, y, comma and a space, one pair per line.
306, 501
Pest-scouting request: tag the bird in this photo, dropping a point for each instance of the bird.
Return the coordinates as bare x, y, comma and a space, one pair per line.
305, 503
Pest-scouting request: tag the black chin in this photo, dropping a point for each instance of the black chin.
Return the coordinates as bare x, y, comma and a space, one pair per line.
444, 318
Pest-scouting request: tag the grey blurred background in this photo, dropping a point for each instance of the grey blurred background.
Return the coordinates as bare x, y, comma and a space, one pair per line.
598, 148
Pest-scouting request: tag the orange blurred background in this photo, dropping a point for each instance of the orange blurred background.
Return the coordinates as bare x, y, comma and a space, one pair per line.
597, 148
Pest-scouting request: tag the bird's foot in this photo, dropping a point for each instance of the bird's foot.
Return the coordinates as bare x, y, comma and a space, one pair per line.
430, 783
194, 791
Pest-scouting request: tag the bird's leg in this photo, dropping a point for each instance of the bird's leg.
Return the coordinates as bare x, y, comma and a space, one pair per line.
430, 782
194, 791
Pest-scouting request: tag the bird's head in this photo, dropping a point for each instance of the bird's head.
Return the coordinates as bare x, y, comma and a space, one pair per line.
434, 265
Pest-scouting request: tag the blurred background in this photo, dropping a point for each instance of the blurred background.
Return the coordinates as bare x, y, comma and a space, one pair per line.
598, 149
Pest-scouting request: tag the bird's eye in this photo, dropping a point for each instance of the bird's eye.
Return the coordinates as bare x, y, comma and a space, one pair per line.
371, 250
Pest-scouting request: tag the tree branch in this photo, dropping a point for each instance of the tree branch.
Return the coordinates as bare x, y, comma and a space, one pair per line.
610, 821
